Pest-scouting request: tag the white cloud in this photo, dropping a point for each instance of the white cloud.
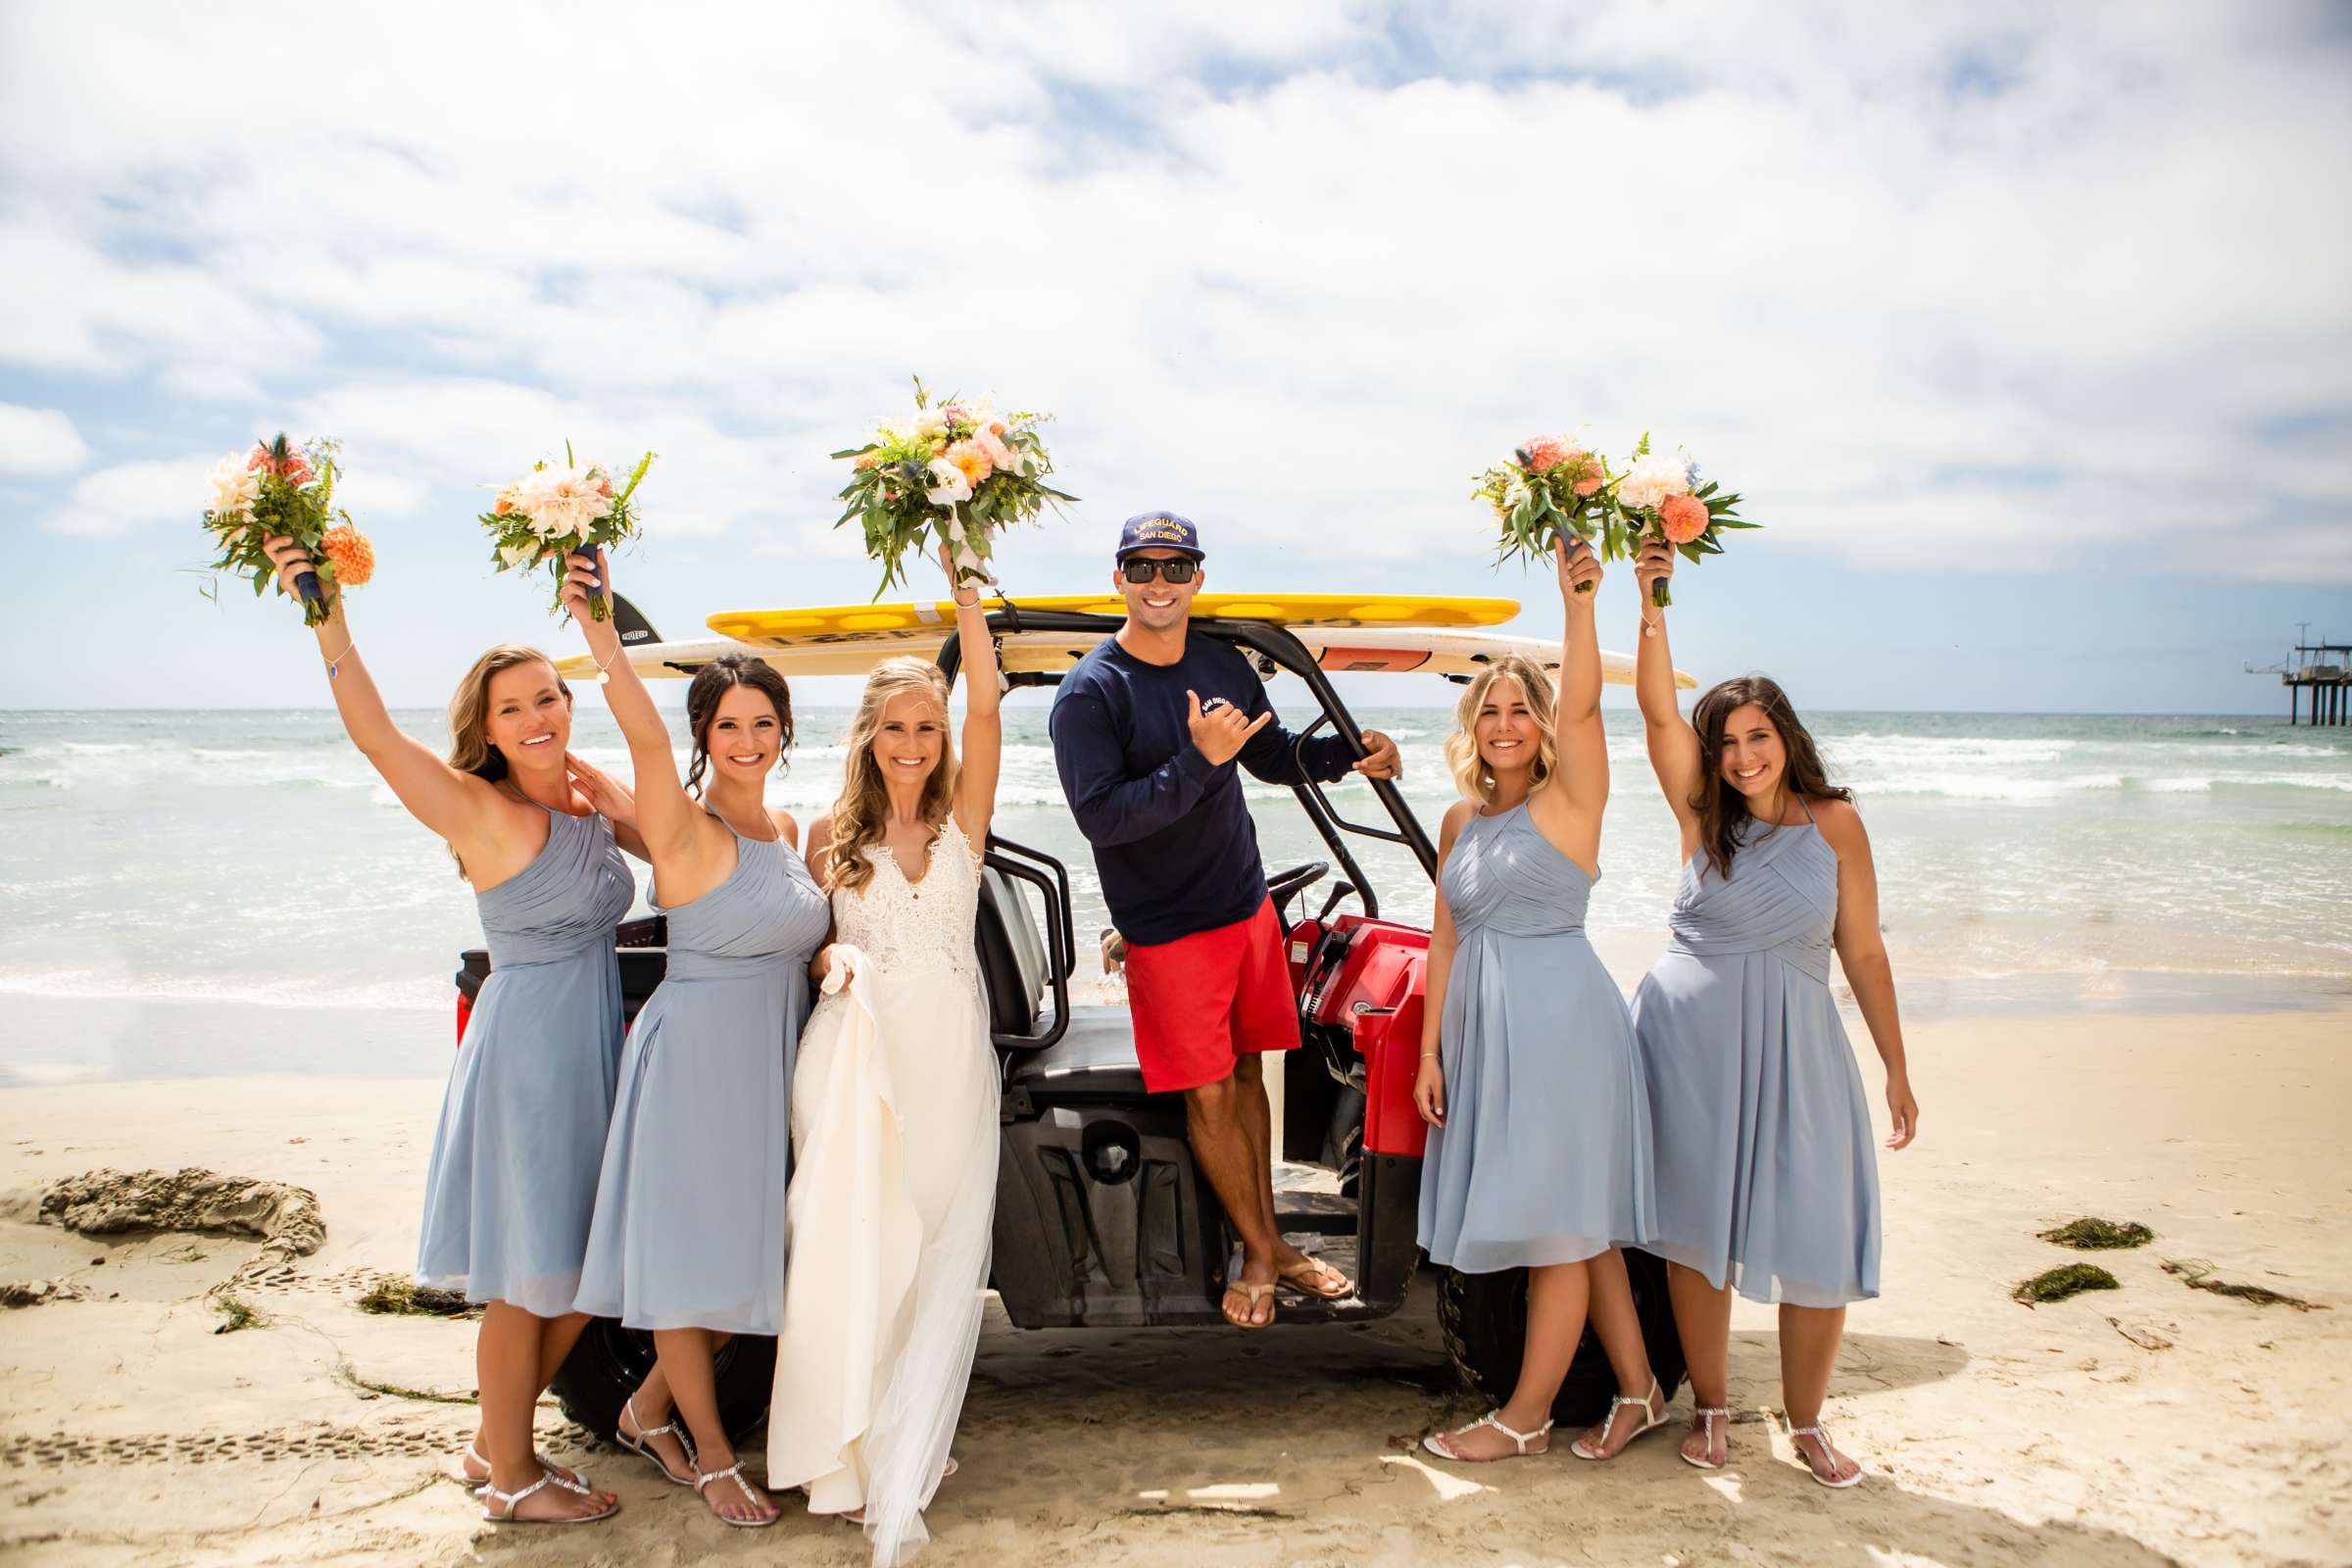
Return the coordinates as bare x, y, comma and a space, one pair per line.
38, 441
133, 495
1925, 284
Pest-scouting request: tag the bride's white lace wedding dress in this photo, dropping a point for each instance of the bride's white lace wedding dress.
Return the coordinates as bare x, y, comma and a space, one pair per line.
893, 1136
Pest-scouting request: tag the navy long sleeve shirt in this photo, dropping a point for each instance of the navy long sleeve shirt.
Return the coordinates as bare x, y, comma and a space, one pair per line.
1173, 840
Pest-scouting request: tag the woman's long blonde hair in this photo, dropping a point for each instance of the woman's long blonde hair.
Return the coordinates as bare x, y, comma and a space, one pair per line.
1471, 775
470, 747
863, 807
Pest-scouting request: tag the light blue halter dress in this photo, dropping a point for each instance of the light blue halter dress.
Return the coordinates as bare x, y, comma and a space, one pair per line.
1767, 1172
1545, 1155
689, 1227
513, 1172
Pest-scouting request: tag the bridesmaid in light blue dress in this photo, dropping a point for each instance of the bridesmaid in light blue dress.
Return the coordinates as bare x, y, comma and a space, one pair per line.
688, 1239
1767, 1177
513, 1175
514, 1169
1538, 1146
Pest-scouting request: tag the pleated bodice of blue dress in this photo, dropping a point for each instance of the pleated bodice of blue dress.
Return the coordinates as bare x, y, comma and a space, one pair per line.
1767, 1172
1544, 1157
514, 1173
689, 1227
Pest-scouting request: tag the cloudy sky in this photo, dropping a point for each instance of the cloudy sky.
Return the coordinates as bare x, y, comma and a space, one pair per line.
2026, 329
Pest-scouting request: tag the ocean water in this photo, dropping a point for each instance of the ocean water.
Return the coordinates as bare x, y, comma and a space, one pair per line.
184, 891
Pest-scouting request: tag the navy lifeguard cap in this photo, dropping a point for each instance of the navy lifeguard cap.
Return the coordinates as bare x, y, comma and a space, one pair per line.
1160, 530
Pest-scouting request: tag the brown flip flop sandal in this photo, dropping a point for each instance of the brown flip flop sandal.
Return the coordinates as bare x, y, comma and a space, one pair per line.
1253, 1294
1297, 1277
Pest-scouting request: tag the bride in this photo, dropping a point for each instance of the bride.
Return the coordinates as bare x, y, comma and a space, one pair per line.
893, 1111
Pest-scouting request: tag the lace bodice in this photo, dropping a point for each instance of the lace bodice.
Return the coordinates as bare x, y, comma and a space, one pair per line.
902, 926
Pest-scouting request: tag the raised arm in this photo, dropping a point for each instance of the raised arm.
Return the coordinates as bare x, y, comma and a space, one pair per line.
667, 820
983, 718
450, 802
1572, 813
1674, 748
1862, 950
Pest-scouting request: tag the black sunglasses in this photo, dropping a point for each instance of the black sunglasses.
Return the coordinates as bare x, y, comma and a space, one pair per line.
1142, 569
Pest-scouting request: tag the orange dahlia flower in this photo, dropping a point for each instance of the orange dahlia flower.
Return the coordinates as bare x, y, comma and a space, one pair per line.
353, 556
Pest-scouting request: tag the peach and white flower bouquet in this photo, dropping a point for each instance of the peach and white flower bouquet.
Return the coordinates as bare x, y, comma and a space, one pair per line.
957, 474
280, 487
1552, 488
552, 513
1663, 497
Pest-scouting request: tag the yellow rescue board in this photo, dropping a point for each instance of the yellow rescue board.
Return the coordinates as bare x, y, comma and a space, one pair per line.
793, 628
1356, 650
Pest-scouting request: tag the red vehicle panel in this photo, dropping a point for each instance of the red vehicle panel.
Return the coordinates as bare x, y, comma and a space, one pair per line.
1376, 995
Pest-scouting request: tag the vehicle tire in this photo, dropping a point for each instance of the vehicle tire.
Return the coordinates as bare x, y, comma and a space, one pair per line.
609, 1362
1484, 1318
1344, 1144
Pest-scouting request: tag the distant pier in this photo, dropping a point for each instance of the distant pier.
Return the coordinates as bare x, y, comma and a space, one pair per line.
2325, 669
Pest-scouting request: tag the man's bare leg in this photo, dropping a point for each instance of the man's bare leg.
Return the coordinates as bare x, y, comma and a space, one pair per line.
1219, 1125
1249, 1077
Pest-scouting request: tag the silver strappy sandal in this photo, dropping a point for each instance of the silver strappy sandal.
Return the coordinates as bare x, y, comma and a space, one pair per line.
643, 1443
1707, 1414
1649, 1421
569, 1480
507, 1501
1435, 1442
1828, 1452
734, 1473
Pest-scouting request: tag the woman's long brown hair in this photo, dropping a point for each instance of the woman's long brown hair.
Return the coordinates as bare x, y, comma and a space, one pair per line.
1722, 809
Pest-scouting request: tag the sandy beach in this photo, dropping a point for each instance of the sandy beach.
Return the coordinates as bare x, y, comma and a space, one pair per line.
2155, 1423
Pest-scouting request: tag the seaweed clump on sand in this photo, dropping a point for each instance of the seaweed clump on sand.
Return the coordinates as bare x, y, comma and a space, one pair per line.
2197, 1275
2060, 1282
2093, 1234
395, 1296
234, 1313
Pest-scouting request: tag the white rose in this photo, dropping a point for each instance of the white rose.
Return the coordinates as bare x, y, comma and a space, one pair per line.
235, 488
953, 487
929, 422
522, 555
1653, 478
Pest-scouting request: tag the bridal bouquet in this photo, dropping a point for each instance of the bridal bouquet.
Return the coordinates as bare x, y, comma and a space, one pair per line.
552, 513
1552, 488
960, 473
1660, 497
282, 488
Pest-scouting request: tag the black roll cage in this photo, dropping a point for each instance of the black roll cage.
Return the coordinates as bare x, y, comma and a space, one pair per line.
1273, 644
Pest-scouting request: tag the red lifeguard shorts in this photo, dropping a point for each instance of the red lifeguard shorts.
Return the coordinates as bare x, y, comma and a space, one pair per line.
1201, 1002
